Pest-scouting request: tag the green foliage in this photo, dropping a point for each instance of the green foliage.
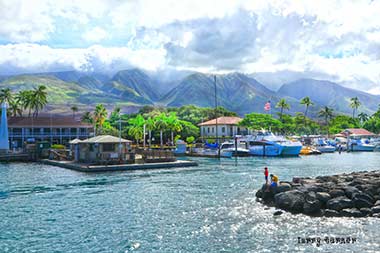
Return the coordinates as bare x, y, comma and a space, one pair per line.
57, 146
190, 139
258, 121
354, 104
341, 122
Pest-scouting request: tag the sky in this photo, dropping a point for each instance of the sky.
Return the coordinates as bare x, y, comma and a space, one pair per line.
277, 41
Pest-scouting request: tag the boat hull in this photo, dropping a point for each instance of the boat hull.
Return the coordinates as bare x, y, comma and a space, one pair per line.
329, 149
266, 150
293, 150
362, 148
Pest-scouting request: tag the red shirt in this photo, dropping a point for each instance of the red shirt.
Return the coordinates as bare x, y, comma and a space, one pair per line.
266, 173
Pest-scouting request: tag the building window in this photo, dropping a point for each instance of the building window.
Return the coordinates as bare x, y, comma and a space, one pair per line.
212, 130
223, 129
208, 130
108, 147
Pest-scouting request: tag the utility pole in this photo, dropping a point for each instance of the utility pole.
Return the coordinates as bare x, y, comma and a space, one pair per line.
216, 118
120, 135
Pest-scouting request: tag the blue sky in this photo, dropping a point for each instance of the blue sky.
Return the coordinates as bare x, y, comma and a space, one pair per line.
325, 39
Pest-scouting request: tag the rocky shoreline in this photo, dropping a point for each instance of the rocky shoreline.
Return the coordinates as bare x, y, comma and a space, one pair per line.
355, 194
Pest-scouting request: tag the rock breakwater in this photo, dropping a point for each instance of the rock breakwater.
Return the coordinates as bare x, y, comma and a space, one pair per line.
355, 194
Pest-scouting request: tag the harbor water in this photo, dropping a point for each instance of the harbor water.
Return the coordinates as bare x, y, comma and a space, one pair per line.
209, 208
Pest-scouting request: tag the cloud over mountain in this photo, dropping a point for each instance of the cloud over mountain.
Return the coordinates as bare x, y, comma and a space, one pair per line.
335, 39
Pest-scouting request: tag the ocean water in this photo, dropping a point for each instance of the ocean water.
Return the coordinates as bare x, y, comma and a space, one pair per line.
209, 208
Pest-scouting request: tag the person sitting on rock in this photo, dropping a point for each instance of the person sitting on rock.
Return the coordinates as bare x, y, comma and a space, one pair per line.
266, 173
274, 180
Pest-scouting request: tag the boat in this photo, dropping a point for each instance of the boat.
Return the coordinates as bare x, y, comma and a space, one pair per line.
269, 144
230, 147
361, 145
322, 146
209, 150
309, 151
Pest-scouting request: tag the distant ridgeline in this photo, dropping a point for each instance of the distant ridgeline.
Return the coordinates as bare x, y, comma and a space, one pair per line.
133, 88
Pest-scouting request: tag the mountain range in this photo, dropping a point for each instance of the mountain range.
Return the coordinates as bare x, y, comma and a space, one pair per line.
133, 88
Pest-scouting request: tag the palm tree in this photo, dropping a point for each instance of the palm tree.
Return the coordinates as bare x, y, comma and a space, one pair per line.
150, 125
25, 99
74, 108
6, 95
39, 99
14, 108
137, 128
363, 117
100, 115
87, 118
283, 105
307, 102
161, 124
174, 124
355, 103
326, 113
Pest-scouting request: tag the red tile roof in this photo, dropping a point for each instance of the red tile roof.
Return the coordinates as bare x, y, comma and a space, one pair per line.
55, 121
357, 131
222, 121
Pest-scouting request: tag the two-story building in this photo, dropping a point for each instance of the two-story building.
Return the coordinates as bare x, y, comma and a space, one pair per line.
54, 129
227, 127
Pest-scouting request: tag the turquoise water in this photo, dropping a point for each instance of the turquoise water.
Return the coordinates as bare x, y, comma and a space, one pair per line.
210, 208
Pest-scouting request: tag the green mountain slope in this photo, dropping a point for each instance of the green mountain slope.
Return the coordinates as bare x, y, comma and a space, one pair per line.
235, 92
330, 94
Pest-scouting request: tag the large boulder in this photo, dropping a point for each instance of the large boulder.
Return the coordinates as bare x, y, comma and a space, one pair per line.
331, 213
365, 196
351, 212
323, 197
366, 211
339, 203
360, 203
290, 201
312, 206
350, 191
336, 193
375, 209
282, 187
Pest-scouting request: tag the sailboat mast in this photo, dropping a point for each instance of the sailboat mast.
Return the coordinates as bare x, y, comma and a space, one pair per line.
216, 117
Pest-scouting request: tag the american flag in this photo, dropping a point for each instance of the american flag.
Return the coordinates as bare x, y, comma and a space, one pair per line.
267, 106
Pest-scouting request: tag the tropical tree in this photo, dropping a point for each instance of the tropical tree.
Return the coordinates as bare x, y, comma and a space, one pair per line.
283, 105
74, 108
355, 103
39, 99
161, 125
326, 113
87, 118
137, 128
14, 109
25, 99
259, 121
307, 102
6, 95
363, 117
150, 125
174, 124
99, 116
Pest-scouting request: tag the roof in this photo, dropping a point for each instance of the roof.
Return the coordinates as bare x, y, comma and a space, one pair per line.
105, 139
54, 121
222, 121
357, 131
75, 141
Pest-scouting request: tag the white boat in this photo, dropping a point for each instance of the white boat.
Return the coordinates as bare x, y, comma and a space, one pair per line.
229, 147
361, 145
322, 146
269, 144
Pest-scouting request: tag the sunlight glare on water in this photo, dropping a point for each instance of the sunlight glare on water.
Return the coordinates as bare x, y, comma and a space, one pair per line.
209, 208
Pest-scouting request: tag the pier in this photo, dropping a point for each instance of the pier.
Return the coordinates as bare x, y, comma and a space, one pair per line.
118, 167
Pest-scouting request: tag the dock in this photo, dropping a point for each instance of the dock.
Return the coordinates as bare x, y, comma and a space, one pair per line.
118, 167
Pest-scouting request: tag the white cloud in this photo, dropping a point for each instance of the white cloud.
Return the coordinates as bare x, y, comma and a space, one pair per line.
96, 34
329, 38
21, 58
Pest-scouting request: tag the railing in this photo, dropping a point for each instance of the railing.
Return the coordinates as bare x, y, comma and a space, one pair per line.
150, 156
30, 135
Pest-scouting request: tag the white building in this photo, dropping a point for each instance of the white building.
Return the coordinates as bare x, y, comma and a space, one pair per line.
227, 127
